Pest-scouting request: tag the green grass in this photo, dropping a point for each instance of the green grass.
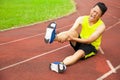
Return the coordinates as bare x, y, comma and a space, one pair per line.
16, 13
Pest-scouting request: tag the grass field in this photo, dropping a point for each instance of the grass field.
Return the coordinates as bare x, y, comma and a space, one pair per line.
16, 13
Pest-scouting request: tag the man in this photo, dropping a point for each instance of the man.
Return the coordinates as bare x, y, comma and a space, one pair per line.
85, 43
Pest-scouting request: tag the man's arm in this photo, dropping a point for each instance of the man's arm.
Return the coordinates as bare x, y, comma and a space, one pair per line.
63, 36
93, 37
77, 23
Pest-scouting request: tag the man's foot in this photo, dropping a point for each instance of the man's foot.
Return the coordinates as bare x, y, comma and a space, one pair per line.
58, 67
50, 33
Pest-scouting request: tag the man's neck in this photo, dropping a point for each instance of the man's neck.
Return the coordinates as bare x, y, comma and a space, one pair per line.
92, 22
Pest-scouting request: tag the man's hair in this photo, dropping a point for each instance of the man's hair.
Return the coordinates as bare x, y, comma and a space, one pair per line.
102, 7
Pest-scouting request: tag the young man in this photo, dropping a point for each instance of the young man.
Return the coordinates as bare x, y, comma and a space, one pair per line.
85, 43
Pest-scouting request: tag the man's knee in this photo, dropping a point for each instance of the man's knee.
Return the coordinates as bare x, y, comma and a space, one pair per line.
74, 34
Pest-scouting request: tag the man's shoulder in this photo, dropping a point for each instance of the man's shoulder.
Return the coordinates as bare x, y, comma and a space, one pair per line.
102, 23
80, 19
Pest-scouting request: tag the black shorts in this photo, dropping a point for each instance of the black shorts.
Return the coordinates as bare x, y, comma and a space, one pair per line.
87, 48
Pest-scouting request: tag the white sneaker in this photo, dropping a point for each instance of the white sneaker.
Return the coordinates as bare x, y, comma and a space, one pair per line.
50, 33
58, 67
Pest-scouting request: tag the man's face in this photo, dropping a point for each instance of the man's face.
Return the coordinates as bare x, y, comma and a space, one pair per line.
95, 13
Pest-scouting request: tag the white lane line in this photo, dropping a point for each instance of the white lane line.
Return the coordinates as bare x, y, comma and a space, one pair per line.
113, 16
112, 26
111, 66
34, 57
118, 67
43, 53
24, 26
101, 50
108, 73
20, 39
105, 75
13, 41
113, 70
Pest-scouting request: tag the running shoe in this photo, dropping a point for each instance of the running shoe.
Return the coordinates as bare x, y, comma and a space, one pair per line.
50, 33
58, 67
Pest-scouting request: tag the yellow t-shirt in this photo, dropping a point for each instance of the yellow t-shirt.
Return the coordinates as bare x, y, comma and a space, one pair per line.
88, 30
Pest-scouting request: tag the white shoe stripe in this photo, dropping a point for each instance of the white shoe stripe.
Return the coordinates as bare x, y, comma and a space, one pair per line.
48, 33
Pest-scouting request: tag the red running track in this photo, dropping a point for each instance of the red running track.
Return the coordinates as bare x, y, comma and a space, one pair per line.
25, 56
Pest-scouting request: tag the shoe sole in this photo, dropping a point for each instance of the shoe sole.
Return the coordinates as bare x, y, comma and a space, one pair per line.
50, 26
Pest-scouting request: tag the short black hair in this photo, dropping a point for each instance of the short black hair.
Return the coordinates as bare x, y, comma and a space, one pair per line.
102, 7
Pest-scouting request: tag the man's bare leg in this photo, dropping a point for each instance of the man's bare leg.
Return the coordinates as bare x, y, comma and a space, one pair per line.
77, 55
73, 58
64, 36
